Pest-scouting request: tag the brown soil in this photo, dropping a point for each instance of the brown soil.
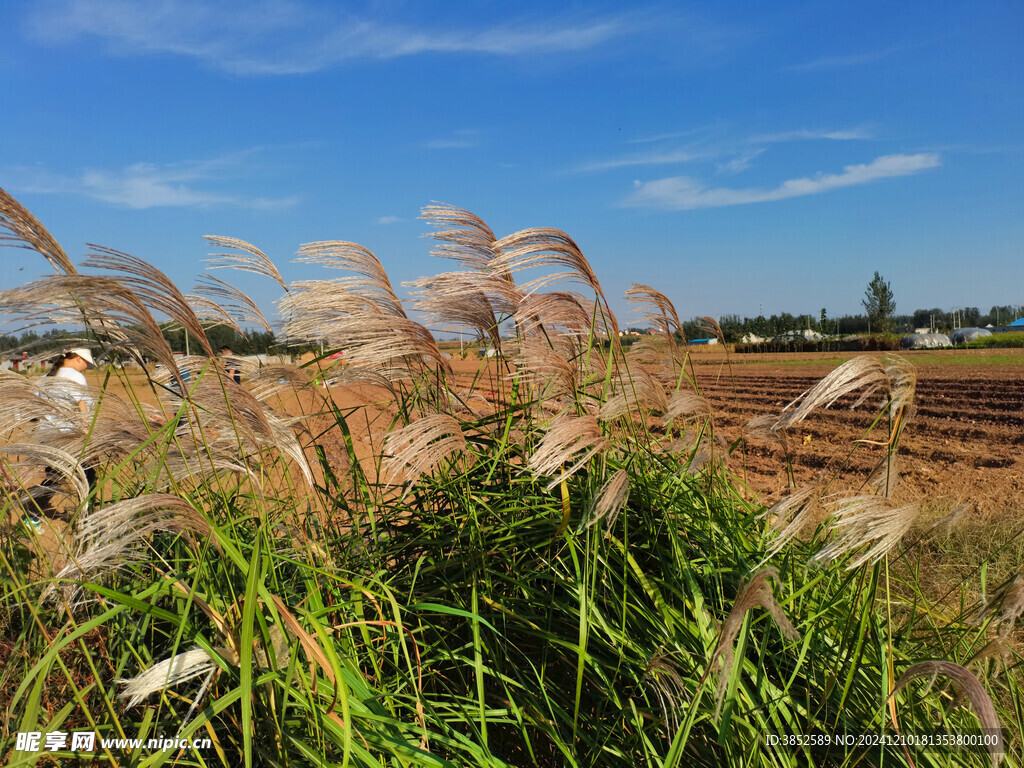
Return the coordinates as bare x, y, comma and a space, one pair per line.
965, 443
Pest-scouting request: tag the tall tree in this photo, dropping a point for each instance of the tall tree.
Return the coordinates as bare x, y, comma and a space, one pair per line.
879, 303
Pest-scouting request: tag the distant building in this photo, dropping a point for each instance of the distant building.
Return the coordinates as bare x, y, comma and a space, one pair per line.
18, 363
708, 342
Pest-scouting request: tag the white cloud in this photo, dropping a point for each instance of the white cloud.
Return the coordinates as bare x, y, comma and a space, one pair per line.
385, 220
849, 60
740, 162
148, 185
847, 134
682, 193
739, 153
267, 37
662, 157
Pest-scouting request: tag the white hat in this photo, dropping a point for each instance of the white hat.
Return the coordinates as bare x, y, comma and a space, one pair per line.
83, 353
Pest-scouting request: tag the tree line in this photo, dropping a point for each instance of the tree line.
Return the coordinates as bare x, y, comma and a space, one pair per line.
254, 342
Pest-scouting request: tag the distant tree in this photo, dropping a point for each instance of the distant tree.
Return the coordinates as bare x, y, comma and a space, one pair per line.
879, 303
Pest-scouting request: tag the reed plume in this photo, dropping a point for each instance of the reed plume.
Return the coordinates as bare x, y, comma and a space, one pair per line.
568, 437
107, 307
658, 309
610, 500
152, 287
968, 684
687, 406
235, 302
370, 281
170, 672
790, 515
868, 373
463, 236
110, 537
422, 446
466, 300
36, 456
26, 231
542, 365
638, 390
555, 310
874, 523
544, 247
756, 592
248, 258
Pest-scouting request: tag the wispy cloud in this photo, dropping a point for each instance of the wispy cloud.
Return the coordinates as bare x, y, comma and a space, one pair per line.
385, 220
683, 193
846, 134
660, 157
268, 37
740, 162
739, 153
189, 184
849, 60
461, 139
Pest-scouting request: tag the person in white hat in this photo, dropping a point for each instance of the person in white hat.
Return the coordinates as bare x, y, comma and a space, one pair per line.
70, 366
73, 364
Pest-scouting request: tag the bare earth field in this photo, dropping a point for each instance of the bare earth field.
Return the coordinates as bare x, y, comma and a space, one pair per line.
965, 444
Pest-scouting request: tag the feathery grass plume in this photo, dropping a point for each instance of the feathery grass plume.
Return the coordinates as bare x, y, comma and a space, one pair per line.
233, 410
554, 310
370, 281
1008, 599
968, 684
754, 593
110, 537
266, 381
790, 515
152, 287
421, 447
662, 678
233, 301
22, 404
465, 300
568, 437
320, 311
172, 671
248, 259
955, 515
108, 308
210, 313
687, 406
610, 500
637, 390
464, 236
710, 325
394, 345
543, 366
867, 372
995, 649
26, 231
34, 456
660, 311
874, 523
544, 247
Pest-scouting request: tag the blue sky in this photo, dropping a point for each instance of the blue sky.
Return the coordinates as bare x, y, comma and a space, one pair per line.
735, 156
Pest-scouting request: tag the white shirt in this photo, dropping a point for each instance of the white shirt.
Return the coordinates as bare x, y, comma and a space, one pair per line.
67, 372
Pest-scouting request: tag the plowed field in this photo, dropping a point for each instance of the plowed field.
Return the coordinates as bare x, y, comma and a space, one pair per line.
965, 443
